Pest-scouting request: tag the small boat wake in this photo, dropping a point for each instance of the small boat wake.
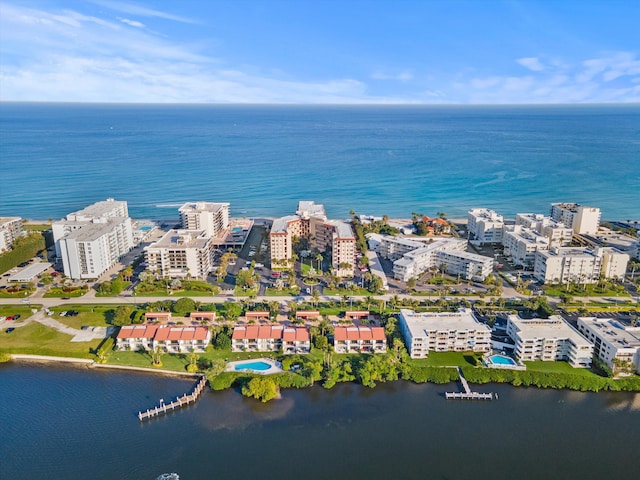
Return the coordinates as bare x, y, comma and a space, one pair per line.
169, 476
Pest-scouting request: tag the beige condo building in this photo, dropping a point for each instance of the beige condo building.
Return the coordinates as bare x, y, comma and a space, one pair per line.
311, 221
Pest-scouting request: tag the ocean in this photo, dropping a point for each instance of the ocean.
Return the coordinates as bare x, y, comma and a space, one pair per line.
74, 423
377, 160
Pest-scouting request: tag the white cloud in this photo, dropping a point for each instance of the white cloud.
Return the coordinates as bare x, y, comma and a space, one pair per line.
532, 63
133, 23
134, 9
65, 55
403, 76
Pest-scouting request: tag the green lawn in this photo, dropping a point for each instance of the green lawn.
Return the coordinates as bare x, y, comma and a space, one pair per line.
274, 292
449, 359
36, 339
23, 310
36, 227
361, 292
241, 292
578, 291
558, 367
57, 292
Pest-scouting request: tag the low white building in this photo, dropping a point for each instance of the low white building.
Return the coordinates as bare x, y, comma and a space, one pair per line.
558, 234
550, 340
614, 344
443, 332
10, 229
579, 265
181, 254
411, 257
485, 226
521, 244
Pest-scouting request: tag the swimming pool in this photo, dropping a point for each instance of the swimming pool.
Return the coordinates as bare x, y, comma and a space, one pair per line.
502, 360
258, 366
146, 228
236, 229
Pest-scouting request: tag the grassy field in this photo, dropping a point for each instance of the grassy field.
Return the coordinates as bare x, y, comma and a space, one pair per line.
24, 311
36, 339
449, 359
558, 367
579, 291
36, 227
274, 292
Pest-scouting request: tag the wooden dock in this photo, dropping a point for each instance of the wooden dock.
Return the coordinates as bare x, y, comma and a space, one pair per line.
182, 401
467, 394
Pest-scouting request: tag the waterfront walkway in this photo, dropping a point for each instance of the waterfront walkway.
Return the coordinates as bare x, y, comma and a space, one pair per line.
467, 394
179, 402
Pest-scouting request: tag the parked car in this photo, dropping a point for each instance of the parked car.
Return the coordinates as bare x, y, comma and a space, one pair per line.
9, 330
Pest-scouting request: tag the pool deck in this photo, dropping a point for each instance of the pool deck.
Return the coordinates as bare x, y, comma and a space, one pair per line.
511, 366
276, 367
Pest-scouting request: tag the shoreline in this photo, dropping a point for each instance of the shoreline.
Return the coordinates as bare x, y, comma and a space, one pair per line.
91, 364
500, 379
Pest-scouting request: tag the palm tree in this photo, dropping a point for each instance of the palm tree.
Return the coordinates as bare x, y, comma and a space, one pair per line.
319, 259
315, 297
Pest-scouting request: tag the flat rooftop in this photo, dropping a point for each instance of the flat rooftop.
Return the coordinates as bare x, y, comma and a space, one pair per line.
307, 208
30, 272
613, 331
93, 230
281, 224
182, 239
99, 209
202, 207
423, 322
552, 327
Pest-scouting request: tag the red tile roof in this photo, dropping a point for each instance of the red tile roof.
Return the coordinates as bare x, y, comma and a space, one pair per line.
254, 332
137, 331
181, 333
354, 333
297, 334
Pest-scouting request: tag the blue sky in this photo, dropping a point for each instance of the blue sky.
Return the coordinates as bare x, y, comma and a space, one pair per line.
320, 51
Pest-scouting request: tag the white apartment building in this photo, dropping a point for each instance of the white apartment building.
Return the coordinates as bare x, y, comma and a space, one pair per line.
10, 229
443, 332
412, 257
550, 340
213, 218
91, 240
310, 221
558, 233
93, 249
485, 226
613, 342
579, 265
583, 220
181, 254
521, 244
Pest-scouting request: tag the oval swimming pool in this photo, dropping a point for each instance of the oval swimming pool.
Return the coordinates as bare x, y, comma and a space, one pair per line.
260, 366
502, 360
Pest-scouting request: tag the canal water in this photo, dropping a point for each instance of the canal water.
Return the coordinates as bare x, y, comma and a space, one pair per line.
74, 423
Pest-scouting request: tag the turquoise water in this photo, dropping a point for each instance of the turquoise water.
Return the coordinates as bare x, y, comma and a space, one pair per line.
146, 228
376, 160
258, 366
502, 360
236, 229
